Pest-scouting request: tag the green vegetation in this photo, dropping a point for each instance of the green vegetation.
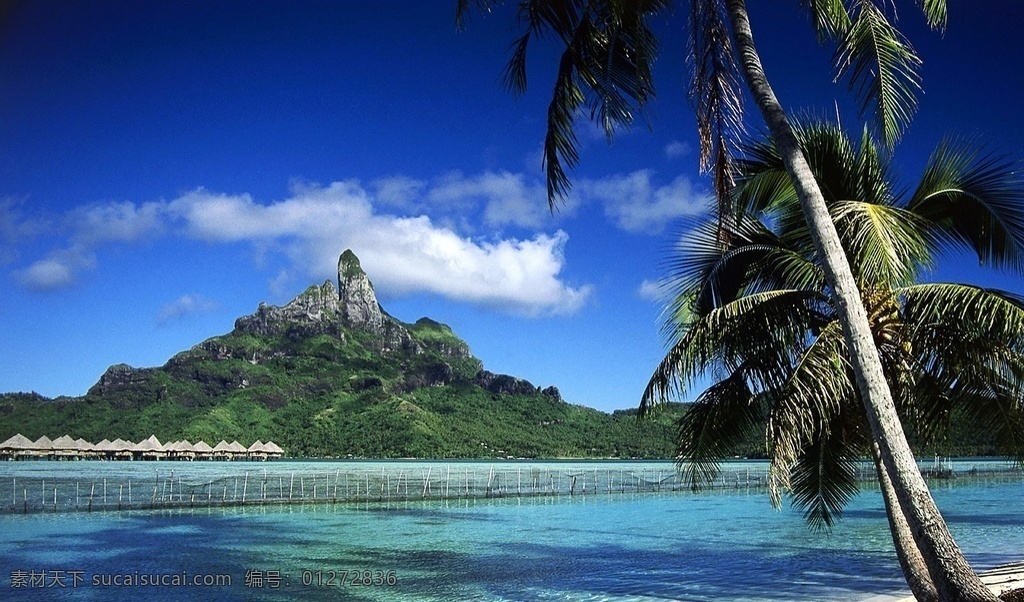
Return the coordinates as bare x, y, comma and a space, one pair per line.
325, 395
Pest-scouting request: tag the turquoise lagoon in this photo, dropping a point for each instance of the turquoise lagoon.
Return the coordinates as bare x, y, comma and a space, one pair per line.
722, 545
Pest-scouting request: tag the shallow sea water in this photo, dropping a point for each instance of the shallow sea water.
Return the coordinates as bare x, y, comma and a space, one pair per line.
677, 546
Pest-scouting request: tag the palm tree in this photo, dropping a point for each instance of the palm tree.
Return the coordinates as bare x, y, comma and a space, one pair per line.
757, 313
606, 67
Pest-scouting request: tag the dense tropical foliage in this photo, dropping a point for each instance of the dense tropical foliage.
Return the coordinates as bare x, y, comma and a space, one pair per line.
757, 313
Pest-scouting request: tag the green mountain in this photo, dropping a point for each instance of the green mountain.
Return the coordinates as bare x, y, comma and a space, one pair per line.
331, 374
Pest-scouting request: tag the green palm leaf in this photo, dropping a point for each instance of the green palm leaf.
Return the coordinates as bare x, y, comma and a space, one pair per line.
880, 65
973, 201
824, 477
718, 422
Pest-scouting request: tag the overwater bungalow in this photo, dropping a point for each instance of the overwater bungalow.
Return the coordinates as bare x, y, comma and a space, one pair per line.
273, 450
222, 451
181, 450
238, 451
64, 447
257, 451
85, 449
122, 450
203, 450
42, 447
15, 447
149, 449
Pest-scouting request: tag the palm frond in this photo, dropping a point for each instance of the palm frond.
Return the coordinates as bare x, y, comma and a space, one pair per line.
880, 65
824, 477
818, 386
975, 201
717, 423
934, 12
830, 17
885, 244
716, 96
767, 326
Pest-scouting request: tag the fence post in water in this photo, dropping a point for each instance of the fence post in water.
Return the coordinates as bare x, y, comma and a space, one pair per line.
55, 498
245, 485
426, 482
336, 475
91, 492
447, 476
120, 493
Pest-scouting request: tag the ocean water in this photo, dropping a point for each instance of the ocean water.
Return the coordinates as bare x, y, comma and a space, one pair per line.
726, 545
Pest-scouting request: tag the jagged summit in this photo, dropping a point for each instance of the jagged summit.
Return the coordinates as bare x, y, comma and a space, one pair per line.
352, 306
357, 301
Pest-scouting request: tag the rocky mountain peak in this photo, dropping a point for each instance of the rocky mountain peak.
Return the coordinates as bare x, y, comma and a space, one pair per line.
356, 300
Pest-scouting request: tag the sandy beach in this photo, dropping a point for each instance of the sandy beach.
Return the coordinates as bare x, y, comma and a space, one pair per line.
999, 579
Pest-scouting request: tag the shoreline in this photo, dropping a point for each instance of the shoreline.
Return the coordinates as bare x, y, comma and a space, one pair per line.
999, 579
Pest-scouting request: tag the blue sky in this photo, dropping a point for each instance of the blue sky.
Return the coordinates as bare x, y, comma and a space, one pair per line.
167, 166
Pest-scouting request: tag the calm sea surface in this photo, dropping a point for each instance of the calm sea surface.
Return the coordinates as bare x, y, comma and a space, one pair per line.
727, 545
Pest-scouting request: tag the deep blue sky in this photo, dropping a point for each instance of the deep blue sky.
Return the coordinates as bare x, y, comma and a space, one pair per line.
166, 166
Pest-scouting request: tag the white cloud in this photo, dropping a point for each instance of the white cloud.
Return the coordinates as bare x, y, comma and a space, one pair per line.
115, 222
56, 271
401, 254
676, 149
183, 306
653, 290
506, 198
399, 192
635, 204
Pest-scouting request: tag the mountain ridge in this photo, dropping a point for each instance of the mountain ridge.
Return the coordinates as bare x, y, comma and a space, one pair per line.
331, 373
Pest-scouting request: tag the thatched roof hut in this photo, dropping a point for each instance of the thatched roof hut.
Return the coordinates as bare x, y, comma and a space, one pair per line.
257, 450
237, 448
41, 447
122, 448
273, 450
64, 446
181, 449
222, 450
149, 448
15, 446
17, 442
202, 448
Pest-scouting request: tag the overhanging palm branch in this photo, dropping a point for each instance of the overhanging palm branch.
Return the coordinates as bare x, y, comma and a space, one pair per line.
974, 201
945, 349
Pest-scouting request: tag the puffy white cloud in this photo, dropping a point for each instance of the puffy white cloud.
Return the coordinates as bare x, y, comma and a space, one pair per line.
115, 222
183, 306
399, 192
506, 198
676, 149
635, 204
653, 290
56, 271
402, 253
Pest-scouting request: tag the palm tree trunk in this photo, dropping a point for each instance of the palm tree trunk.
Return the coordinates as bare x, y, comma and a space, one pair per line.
954, 579
915, 570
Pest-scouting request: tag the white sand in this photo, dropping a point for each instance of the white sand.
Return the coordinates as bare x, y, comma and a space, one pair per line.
1000, 579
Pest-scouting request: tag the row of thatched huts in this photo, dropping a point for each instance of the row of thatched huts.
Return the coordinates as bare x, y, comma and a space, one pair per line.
65, 448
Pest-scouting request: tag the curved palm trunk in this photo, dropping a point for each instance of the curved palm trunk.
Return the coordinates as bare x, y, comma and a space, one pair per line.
953, 577
915, 570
